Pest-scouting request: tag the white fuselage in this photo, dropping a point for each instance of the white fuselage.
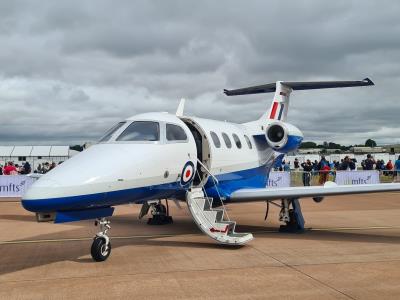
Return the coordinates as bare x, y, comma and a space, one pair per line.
114, 172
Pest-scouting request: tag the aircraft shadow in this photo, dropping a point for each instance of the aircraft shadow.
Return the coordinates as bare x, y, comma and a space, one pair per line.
23, 218
17, 257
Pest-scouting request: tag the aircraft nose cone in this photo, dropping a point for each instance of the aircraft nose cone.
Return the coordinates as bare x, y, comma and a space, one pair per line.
40, 196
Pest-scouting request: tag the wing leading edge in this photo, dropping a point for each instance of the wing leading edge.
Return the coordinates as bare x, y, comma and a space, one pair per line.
329, 189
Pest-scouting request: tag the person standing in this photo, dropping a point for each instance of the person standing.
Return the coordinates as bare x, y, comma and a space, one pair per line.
286, 167
26, 169
397, 166
10, 169
307, 169
389, 165
336, 165
344, 166
52, 166
323, 168
369, 162
352, 164
296, 164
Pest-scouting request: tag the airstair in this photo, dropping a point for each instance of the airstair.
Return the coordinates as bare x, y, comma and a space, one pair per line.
211, 221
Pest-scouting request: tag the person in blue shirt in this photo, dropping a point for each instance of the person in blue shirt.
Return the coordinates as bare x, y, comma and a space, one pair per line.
286, 166
397, 166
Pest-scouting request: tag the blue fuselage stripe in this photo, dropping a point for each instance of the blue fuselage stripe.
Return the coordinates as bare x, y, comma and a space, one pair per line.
228, 183
281, 111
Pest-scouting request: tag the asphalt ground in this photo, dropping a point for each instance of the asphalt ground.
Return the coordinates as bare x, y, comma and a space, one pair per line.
350, 251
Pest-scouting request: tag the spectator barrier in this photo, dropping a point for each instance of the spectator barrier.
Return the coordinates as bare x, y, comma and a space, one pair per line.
14, 185
345, 177
357, 177
278, 179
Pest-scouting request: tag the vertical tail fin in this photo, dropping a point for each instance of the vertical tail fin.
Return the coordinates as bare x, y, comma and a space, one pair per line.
280, 104
282, 89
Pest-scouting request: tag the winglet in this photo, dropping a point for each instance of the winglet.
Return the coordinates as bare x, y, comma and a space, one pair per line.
368, 81
181, 107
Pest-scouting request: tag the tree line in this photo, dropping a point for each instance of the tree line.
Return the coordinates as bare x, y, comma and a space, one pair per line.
331, 145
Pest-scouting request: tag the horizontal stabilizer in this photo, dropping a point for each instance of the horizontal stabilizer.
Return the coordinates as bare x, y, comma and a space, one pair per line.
298, 85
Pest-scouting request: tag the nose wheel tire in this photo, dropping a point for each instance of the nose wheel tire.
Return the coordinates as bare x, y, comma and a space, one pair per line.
100, 250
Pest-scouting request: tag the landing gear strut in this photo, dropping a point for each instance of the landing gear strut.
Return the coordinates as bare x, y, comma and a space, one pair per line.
101, 246
293, 217
160, 214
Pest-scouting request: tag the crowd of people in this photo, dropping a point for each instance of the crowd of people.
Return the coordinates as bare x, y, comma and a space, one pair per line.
14, 169
25, 168
323, 167
320, 168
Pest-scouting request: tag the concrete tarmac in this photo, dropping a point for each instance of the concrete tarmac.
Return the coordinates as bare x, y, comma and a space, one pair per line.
352, 251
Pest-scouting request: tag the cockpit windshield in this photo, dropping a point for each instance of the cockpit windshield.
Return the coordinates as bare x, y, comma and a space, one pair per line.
111, 131
141, 131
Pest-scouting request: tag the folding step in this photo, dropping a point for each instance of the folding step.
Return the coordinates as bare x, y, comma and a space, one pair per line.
211, 221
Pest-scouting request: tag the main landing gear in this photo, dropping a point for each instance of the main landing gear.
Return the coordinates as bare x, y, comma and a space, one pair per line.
293, 217
159, 212
101, 246
290, 214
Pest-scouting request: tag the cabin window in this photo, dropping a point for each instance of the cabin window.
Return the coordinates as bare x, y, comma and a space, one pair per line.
227, 140
215, 139
111, 131
175, 133
141, 131
248, 141
237, 141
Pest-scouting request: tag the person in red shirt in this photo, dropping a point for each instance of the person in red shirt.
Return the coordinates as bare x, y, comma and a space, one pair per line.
389, 165
9, 169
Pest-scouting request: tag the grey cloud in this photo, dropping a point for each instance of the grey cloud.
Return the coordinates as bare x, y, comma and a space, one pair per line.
70, 69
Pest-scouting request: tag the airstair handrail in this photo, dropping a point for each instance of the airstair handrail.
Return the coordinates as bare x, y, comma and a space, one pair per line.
216, 183
207, 170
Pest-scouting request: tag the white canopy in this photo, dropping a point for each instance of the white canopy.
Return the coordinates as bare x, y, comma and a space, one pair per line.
6, 150
22, 151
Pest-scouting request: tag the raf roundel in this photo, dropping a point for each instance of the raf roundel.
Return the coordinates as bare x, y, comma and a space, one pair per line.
187, 173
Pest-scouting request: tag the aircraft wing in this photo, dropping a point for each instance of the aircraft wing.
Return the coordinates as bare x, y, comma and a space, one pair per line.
329, 189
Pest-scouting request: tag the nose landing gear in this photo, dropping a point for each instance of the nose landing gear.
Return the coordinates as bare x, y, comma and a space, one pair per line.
101, 246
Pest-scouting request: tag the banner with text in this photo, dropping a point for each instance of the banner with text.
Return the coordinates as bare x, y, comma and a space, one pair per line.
278, 179
357, 177
14, 185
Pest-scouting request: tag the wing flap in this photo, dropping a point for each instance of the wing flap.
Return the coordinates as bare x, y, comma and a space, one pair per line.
250, 195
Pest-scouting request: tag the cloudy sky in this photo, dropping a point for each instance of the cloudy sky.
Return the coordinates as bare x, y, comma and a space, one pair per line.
70, 69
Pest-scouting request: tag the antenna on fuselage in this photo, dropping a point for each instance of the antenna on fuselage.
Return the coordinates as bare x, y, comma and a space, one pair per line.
181, 107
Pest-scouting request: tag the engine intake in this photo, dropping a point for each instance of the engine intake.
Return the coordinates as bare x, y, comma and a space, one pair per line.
283, 137
276, 133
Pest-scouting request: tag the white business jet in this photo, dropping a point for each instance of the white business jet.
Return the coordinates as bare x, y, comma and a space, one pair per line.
154, 156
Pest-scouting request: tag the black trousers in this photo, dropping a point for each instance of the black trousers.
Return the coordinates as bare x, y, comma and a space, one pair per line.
306, 178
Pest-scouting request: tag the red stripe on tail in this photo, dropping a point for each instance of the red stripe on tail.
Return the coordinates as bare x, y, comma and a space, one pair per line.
273, 110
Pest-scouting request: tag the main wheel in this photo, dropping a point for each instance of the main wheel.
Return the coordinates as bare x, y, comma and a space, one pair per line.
100, 250
159, 209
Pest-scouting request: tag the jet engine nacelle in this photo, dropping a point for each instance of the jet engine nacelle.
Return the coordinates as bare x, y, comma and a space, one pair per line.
283, 137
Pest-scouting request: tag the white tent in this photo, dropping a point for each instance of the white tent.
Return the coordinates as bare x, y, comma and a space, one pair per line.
22, 151
39, 151
6, 150
59, 151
